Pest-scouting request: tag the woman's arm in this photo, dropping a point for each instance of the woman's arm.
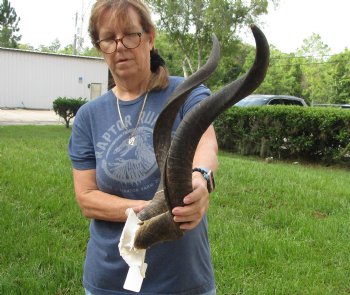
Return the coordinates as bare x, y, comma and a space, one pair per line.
197, 202
99, 205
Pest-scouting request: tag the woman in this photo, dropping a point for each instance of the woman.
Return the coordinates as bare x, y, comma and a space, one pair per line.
114, 166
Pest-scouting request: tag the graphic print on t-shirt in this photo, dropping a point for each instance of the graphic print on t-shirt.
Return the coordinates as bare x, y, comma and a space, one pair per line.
129, 165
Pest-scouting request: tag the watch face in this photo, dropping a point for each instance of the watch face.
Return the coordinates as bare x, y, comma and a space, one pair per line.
211, 182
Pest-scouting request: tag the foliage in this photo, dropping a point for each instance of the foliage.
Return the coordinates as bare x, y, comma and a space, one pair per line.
315, 134
8, 25
307, 73
54, 47
190, 23
314, 47
172, 57
67, 108
90, 51
339, 74
273, 229
230, 65
316, 79
311, 73
184, 41
284, 75
26, 47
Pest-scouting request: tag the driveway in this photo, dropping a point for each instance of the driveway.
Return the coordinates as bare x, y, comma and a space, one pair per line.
29, 117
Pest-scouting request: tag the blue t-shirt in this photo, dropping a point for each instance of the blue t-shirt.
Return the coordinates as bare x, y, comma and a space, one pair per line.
99, 141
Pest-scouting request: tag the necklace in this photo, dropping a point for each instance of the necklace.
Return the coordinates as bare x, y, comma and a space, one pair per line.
132, 138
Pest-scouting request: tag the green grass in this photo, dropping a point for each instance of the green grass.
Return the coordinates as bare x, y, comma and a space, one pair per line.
280, 228
274, 228
43, 235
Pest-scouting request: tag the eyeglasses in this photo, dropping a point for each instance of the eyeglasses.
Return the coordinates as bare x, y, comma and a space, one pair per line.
130, 41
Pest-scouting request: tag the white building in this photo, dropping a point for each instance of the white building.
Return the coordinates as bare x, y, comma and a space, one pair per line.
34, 80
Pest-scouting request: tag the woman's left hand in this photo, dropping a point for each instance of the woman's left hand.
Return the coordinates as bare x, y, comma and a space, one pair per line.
196, 203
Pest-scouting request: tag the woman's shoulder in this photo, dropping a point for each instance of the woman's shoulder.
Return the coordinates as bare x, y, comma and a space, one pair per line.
175, 80
94, 106
96, 103
101, 100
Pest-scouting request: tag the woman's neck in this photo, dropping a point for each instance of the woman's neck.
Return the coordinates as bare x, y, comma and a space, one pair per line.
130, 89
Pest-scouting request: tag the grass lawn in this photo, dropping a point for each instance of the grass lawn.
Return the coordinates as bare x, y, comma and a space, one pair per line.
274, 228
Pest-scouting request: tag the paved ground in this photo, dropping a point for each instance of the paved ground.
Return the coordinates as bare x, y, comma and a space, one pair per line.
29, 117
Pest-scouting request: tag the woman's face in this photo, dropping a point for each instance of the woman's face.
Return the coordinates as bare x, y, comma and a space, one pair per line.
127, 63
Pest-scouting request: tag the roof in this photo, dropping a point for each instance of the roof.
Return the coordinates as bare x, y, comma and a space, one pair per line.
274, 95
49, 53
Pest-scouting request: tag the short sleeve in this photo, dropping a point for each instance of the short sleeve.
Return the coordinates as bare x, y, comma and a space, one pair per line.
80, 147
197, 95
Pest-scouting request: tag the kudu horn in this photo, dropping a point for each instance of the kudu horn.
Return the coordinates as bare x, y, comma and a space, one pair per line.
175, 157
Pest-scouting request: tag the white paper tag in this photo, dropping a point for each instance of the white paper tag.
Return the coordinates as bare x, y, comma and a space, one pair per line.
133, 257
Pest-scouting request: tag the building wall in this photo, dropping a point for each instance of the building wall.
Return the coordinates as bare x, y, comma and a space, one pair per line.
35, 80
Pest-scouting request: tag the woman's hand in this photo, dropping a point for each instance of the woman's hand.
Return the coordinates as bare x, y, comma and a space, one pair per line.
140, 207
196, 203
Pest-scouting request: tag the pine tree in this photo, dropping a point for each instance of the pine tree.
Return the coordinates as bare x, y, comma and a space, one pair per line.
9, 26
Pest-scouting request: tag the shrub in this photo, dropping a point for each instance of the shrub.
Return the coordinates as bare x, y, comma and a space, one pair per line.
315, 134
67, 108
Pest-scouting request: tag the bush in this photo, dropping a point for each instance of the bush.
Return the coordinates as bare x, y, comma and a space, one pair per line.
287, 132
67, 108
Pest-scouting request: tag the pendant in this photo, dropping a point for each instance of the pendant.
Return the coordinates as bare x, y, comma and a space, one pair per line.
132, 140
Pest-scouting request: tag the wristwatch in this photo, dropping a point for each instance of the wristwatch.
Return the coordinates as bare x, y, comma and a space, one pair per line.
208, 176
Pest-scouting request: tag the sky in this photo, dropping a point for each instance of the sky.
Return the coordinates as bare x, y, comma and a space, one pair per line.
295, 20
42, 21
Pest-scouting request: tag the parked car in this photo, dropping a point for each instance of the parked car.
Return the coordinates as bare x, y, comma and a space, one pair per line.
263, 99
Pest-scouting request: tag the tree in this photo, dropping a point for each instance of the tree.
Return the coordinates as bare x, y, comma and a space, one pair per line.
90, 51
67, 108
172, 57
284, 75
230, 65
314, 47
190, 23
26, 47
54, 47
67, 50
87, 51
8, 26
315, 53
339, 71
